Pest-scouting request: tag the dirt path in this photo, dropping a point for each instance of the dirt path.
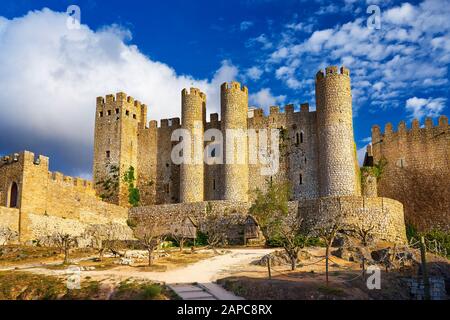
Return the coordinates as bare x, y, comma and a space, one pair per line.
204, 272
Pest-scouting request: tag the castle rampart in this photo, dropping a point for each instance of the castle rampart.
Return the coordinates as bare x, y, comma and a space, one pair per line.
31, 193
417, 169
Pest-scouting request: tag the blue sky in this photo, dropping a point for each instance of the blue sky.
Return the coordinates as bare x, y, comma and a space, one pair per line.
50, 75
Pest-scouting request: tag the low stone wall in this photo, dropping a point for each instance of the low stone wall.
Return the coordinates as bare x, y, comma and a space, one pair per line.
198, 211
42, 226
9, 218
384, 215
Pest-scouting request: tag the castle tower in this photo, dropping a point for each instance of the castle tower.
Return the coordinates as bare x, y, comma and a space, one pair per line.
193, 110
234, 113
117, 121
337, 154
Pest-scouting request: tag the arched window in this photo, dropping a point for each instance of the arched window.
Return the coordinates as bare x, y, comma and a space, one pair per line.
13, 195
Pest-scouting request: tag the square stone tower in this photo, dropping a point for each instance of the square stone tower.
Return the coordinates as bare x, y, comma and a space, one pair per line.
117, 123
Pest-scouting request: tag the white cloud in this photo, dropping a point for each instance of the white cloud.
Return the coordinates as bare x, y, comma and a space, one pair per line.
361, 153
50, 77
254, 73
245, 25
262, 39
264, 99
420, 107
411, 52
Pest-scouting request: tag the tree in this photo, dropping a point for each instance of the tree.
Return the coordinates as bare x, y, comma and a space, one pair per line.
327, 232
217, 227
64, 242
133, 193
7, 235
151, 230
183, 230
272, 212
106, 237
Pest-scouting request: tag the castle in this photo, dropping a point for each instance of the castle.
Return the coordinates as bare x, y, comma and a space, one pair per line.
317, 156
319, 161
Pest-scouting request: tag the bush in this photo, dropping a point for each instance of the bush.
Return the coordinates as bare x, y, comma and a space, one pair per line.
440, 237
202, 239
149, 292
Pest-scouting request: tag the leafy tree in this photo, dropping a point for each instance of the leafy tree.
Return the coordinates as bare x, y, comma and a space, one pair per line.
271, 210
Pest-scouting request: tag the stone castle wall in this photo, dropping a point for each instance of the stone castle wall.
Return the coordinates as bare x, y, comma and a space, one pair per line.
51, 197
9, 218
417, 170
384, 215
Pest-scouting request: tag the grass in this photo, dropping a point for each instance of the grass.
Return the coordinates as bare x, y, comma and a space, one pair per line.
134, 290
16, 285
17, 254
331, 291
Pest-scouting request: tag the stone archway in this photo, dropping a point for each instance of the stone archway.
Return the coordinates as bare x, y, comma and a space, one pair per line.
14, 195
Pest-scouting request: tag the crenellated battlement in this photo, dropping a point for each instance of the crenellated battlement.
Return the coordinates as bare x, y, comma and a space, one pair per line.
68, 181
402, 129
332, 71
233, 86
193, 92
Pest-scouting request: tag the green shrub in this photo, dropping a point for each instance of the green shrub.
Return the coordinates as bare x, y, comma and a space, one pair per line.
150, 292
202, 239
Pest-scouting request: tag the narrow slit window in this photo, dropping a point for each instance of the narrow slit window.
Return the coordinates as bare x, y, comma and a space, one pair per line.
301, 137
108, 154
300, 180
214, 184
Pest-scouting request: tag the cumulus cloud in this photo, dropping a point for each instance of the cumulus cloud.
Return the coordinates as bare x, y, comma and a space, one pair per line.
410, 52
254, 73
265, 99
50, 77
420, 107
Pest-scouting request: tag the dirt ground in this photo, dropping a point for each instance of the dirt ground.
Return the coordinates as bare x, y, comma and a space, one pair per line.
308, 281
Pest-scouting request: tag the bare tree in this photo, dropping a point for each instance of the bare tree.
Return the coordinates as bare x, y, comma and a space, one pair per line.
327, 232
218, 227
107, 237
183, 230
151, 230
64, 242
7, 235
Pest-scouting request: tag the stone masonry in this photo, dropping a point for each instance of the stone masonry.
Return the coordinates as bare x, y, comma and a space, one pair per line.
316, 148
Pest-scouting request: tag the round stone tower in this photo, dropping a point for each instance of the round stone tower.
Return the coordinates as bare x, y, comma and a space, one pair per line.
234, 112
193, 110
337, 154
